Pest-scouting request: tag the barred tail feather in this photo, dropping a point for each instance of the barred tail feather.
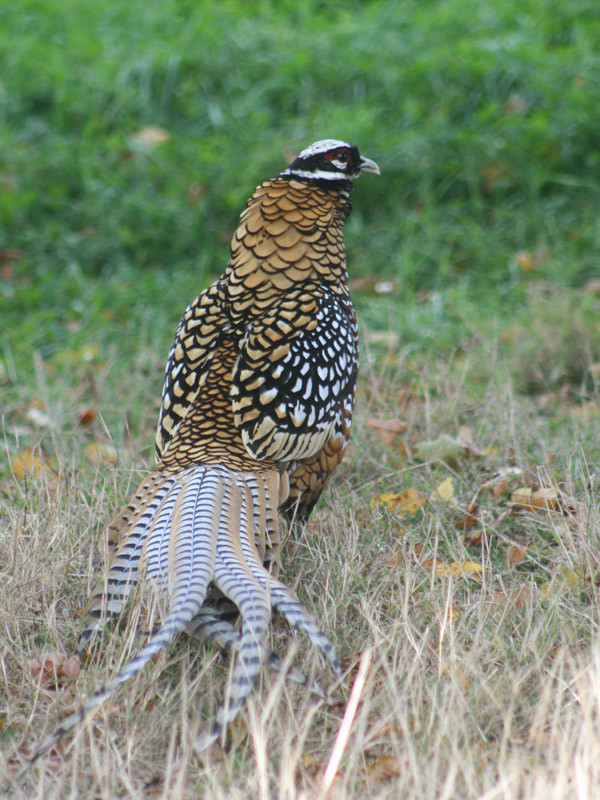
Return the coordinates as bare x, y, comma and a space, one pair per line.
192, 549
205, 524
284, 599
111, 595
234, 578
212, 626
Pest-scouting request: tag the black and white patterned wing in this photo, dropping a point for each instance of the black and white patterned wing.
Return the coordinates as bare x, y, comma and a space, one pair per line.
297, 366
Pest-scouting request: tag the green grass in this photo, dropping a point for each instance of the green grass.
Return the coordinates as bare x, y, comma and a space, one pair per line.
483, 118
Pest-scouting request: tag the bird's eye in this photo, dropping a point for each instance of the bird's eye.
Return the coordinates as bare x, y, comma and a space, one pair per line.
342, 156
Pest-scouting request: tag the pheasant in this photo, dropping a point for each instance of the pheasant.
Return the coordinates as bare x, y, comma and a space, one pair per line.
256, 413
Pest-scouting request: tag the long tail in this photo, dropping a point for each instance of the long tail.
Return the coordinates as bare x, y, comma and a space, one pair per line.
241, 576
185, 530
192, 507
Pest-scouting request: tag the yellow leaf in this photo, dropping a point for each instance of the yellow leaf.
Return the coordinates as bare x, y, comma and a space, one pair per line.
444, 492
563, 582
548, 590
545, 499
407, 502
569, 576
30, 463
471, 567
458, 569
521, 497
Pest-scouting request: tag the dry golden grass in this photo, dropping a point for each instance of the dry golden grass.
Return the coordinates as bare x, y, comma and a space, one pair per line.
479, 687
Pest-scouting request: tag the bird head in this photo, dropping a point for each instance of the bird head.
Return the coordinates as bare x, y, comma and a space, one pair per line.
330, 160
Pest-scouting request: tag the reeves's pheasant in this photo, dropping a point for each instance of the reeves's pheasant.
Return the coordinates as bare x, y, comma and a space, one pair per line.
256, 413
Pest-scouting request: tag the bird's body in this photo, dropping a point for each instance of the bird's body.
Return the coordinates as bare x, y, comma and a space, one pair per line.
255, 415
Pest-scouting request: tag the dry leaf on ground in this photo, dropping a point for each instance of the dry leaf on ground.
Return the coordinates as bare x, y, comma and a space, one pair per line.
544, 499
30, 462
386, 430
444, 493
87, 416
456, 673
548, 498
408, 501
385, 768
563, 582
396, 559
521, 496
497, 485
516, 598
465, 438
469, 519
53, 670
456, 569
517, 553
473, 538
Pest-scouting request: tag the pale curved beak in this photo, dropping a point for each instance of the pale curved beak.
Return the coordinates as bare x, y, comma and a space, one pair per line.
366, 165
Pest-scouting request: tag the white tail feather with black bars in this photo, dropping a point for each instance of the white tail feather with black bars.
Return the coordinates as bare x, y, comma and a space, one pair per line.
200, 527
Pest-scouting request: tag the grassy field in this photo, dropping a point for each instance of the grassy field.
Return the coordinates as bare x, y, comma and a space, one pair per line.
465, 551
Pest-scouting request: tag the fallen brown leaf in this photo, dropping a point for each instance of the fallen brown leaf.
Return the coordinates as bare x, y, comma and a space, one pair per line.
456, 673
433, 563
396, 559
469, 520
51, 671
521, 497
473, 538
385, 768
87, 416
387, 430
497, 485
516, 598
548, 499
517, 553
